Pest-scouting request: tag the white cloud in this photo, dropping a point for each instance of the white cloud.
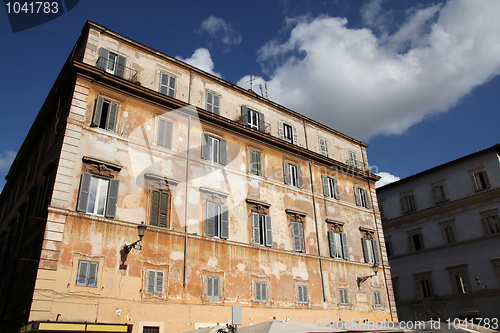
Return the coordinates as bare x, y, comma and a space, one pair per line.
220, 30
364, 85
387, 178
201, 59
6, 159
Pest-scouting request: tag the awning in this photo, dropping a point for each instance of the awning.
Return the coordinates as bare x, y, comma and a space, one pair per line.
52, 326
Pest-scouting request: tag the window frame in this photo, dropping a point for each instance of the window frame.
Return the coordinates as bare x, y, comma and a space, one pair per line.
330, 187
362, 197
288, 133
415, 235
298, 236
164, 133
87, 277
370, 250
217, 220
212, 102
292, 174
84, 195
160, 213
323, 146
407, 202
262, 233
377, 298
158, 275
110, 120
337, 242
343, 296
119, 63
302, 294
491, 221
165, 88
255, 167
449, 231
213, 149
439, 193
423, 285
246, 113
213, 284
260, 291
483, 183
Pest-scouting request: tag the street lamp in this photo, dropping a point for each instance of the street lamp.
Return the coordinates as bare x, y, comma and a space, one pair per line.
361, 279
141, 229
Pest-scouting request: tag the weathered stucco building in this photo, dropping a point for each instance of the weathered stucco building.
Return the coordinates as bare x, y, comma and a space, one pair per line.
442, 232
246, 203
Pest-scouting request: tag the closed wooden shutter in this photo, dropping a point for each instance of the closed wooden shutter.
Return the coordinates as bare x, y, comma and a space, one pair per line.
256, 228
96, 120
102, 61
345, 248
222, 152
269, 230
210, 221
224, 222
83, 196
295, 136
112, 117
121, 62
205, 149
244, 115
112, 197
155, 208
262, 123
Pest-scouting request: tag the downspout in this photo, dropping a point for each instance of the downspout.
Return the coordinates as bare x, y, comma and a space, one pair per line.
378, 234
187, 187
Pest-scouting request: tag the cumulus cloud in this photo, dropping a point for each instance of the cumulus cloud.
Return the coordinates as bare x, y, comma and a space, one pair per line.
365, 84
201, 59
220, 30
387, 178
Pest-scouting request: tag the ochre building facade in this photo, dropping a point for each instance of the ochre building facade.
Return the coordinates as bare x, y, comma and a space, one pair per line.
246, 203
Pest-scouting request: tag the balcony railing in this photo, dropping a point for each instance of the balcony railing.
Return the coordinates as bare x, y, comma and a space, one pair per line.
117, 69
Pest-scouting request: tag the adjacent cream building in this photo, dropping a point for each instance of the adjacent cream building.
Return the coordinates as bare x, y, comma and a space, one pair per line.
246, 203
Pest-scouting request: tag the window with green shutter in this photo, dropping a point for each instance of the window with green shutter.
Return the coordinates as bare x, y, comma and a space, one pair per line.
262, 229
298, 236
330, 187
338, 244
213, 149
255, 162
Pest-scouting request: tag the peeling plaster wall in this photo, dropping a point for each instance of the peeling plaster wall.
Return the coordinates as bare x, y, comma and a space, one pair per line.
120, 292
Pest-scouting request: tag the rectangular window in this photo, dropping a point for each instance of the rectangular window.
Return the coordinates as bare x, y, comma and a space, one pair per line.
252, 118
155, 281
213, 102
167, 84
160, 205
491, 224
87, 273
302, 295
293, 174
449, 233
213, 287
388, 246
343, 296
260, 291
217, 222
377, 298
361, 196
481, 180
150, 329
423, 286
98, 195
323, 147
164, 137
298, 236
338, 244
106, 114
288, 133
213, 149
439, 193
111, 62
415, 240
262, 229
353, 160
370, 250
255, 162
407, 203
330, 187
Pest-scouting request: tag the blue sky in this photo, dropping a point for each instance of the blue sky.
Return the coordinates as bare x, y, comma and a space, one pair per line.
416, 80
